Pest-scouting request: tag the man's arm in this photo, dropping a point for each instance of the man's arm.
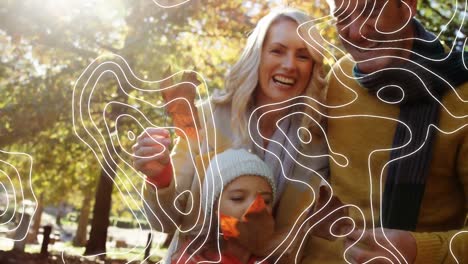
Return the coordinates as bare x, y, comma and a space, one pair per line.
444, 247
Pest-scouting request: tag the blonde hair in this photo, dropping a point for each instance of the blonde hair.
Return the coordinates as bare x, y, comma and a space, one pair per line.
242, 79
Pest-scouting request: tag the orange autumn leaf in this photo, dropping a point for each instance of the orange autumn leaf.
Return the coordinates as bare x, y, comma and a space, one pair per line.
257, 206
181, 103
229, 226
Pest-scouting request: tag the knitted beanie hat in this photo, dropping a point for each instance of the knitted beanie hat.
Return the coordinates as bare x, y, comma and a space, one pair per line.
228, 166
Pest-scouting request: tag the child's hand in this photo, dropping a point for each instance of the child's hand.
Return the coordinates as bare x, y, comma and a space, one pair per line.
256, 226
284, 242
254, 230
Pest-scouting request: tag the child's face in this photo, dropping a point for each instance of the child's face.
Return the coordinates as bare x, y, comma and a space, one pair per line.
240, 193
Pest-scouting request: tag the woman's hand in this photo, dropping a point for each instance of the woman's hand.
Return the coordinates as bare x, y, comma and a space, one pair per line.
151, 152
368, 247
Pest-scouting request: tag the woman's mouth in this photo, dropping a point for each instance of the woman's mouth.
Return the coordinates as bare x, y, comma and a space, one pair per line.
283, 80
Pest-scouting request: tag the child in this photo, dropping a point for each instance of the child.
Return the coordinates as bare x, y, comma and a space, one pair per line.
237, 195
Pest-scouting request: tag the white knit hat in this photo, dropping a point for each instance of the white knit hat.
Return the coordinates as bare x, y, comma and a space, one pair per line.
232, 163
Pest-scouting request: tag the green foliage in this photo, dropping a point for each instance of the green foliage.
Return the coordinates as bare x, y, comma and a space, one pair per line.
447, 18
46, 46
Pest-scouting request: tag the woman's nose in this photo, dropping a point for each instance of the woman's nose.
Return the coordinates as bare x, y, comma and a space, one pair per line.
289, 62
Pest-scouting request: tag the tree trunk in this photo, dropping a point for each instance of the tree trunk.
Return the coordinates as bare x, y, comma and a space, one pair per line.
101, 210
102, 204
81, 232
103, 197
58, 217
21, 233
32, 235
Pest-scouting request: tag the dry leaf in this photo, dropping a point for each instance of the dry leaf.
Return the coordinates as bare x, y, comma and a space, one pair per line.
229, 226
257, 206
181, 103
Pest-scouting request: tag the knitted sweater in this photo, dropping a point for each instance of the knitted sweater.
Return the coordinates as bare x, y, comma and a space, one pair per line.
361, 127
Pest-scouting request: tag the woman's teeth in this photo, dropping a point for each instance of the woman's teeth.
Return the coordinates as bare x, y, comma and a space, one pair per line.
283, 80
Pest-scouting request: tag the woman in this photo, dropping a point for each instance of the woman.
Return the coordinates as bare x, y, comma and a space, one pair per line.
270, 106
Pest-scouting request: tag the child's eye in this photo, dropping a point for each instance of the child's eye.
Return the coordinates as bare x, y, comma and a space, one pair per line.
237, 198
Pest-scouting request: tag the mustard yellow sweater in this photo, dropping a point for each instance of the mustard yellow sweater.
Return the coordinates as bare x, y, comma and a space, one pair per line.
359, 124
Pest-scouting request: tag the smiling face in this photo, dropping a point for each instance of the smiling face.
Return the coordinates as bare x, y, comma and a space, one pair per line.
285, 65
239, 194
375, 30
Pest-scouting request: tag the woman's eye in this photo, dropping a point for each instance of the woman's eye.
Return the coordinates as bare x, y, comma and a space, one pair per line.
276, 51
303, 57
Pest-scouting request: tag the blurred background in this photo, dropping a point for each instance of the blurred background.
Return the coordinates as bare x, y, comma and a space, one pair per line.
62, 106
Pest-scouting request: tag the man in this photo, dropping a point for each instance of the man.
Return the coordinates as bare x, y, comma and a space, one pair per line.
398, 112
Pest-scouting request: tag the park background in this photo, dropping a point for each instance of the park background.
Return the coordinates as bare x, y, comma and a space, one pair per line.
47, 172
